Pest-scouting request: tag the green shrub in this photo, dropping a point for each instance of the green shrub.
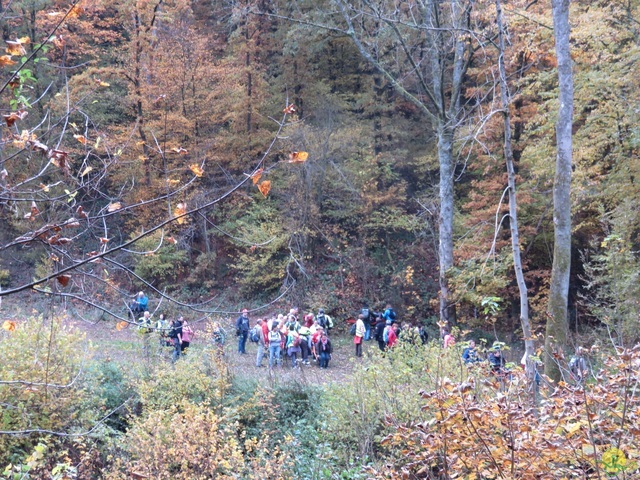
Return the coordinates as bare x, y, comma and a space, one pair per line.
5, 277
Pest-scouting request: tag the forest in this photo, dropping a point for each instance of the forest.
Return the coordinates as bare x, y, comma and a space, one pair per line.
471, 162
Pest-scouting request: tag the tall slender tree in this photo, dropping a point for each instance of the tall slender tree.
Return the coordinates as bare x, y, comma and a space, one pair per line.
557, 324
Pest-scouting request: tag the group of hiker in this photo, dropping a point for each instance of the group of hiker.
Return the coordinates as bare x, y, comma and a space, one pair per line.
305, 339
301, 339
176, 333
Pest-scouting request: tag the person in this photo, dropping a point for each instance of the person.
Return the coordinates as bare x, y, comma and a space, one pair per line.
358, 338
315, 337
390, 337
324, 350
274, 345
175, 333
308, 320
578, 366
379, 333
293, 346
305, 349
144, 322
367, 315
389, 313
162, 327
292, 320
218, 336
262, 342
424, 335
470, 354
497, 361
448, 339
187, 335
324, 321
242, 331
139, 304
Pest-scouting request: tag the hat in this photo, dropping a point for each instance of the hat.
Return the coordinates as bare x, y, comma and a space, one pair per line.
321, 310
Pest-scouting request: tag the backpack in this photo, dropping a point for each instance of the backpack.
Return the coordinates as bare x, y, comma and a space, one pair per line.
352, 330
322, 321
254, 335
385, 335
274, 336
392, 314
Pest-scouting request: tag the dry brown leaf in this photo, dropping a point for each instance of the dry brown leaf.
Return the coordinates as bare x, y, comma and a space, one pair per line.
121, 325
86, 171
63, 279
113, 207
14, 116
289, 110
180, 150
256, 176
15, 48
80, 212
265, 187
104, 240
81, 138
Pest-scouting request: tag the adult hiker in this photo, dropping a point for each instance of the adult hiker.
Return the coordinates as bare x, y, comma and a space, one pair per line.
242, 331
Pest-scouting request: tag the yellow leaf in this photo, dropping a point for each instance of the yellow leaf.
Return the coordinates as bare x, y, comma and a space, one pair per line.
179, 211
298, 157
9, 325
81, 139
121, 325
196, 169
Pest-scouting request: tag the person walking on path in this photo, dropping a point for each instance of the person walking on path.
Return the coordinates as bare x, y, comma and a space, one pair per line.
242, 331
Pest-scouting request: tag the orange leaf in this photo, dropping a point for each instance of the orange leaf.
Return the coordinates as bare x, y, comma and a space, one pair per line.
9, 325
113, 207
104, 240
63, 279
59, 159
256, 176
75, 11
290, 109
265, 187
196, 169
298, 157
182, 150
6, 61
121, 325
81, 139
172, 240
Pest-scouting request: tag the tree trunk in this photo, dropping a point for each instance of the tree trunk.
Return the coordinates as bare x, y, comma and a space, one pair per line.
445, 219
557, 324
513, 210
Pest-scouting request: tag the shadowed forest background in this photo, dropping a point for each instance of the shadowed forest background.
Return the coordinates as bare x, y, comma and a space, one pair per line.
228, 154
